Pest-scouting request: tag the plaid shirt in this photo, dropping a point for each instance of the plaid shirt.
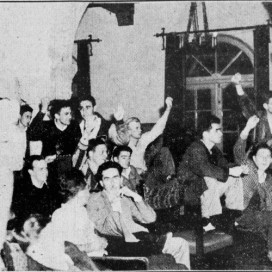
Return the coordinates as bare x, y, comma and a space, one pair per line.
251, 184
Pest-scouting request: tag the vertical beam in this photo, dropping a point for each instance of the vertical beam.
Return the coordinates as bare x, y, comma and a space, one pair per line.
81, 81
261, 62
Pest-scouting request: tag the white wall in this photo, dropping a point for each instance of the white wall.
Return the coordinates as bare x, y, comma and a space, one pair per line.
128, 65
36, 49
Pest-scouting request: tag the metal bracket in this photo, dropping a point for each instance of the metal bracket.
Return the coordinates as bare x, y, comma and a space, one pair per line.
162, 34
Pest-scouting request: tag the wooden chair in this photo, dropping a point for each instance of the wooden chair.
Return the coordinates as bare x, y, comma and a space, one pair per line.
200, 243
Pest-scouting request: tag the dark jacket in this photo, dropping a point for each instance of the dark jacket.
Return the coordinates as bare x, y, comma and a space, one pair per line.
198, 163
55, 141
263, 133
28, 199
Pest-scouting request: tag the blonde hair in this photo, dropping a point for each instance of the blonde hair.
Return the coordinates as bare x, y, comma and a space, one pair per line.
132, 119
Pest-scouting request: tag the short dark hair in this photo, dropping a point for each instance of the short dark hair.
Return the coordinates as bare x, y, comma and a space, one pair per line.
267, 96
58, 104
25, 108
31, 159
255, 148
93, 143
71, 183
206, 124
105, 166
118, 149
87, 97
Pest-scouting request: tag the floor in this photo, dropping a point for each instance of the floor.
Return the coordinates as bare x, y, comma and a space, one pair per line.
247, 253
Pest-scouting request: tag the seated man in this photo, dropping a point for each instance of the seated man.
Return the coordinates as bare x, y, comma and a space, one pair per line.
257, 184
32, 194
131, 179
117, 212
264, 127
97, 153
208, 174
59, 136
131, 134
87, 105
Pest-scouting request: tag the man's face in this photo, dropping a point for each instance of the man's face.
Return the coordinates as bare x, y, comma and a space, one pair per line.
39, 171
135, 130
268, 106
64, 116
124, 159
99, 155
215, 134
262, 159
26, 118
111, 181
86, 109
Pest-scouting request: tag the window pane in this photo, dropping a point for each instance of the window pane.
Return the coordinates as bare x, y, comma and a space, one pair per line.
230, 120
189, 100
189, 121
201, 116
204, 99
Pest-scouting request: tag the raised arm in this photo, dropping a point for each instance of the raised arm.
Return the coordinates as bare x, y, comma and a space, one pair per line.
247, 105
140, 210
37, 126
118, 132
239, 149
159, 127
91, 131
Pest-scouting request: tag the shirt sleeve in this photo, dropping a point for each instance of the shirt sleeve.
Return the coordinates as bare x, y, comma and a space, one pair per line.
142, 212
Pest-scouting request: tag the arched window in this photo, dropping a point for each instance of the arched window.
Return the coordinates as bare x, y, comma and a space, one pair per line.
208, 87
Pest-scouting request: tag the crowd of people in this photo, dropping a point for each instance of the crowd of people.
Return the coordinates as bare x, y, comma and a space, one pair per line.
74, 187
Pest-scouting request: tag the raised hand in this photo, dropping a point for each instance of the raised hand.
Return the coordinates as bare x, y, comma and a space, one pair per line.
45, 102
236, 171
236, 79
125, 191
92, 127
252, 122
169, 102
119, 113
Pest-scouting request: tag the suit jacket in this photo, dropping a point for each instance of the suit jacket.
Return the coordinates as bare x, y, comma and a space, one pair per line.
251, 184
109, 222
197, 163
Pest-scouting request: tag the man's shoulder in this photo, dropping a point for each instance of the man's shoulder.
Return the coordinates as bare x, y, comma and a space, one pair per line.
96, 196
196, 146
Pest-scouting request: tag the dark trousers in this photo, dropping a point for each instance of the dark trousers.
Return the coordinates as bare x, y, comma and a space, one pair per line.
149, 244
